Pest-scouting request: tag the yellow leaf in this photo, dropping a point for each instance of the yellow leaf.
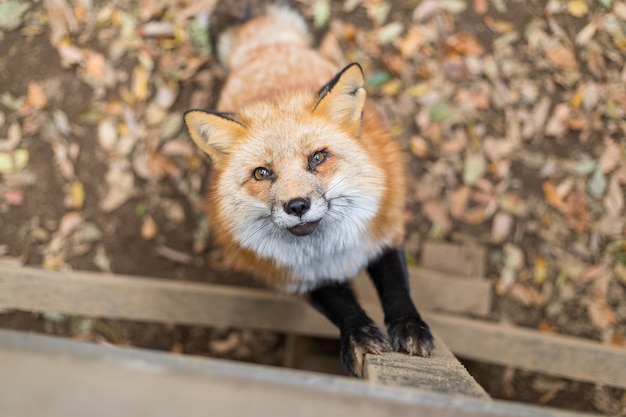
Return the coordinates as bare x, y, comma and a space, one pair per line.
140, 83
541, 270
577, 8
77, 195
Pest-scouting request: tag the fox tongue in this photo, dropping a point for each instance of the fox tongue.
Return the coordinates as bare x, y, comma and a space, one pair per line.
304, 229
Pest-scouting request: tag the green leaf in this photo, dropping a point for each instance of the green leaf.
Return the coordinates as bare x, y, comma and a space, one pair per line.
11, 14
321, 13
53, 316
377, 79
199, 32
597, 183
585, 166
440, 112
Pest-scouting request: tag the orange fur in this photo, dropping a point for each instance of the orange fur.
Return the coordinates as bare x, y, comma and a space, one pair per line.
279, 121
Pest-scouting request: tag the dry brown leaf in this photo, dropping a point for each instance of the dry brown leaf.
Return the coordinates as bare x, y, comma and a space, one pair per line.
149, 228
410, 43
551, 195
437, 213
561, 57
600, 313
614, 199
95, 65
611, 156
121, 186
576, 211
498, 26
465, 43
559, 121
13, 139
528, 296
36, 98
480, 6
501, 227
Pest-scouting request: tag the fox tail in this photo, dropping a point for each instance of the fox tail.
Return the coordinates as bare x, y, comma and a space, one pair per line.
260, 25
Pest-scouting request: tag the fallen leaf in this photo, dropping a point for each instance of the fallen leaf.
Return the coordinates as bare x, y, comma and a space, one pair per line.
465, 43
614, 199
436, 212
140, 83
77, 195
577, 8
540, 271
321, 12
611, 156
14, 137
96, 65
389, 32
440, 112
480, 6
149, 228
459, 201
13, 161
174, 255
597, 184
498, 26
418, 146
101, 259
107, 134
501, 227
561, 57
36, 98
600, 313
559, 121
121, 186
11, 13
576, 211
474, 168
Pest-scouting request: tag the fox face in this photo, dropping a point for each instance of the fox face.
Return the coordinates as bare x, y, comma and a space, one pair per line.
294, 184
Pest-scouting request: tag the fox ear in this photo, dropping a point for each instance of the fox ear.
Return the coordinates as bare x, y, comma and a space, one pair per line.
213, 132
343, 98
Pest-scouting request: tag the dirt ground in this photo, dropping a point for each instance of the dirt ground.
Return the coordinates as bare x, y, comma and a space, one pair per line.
512, 114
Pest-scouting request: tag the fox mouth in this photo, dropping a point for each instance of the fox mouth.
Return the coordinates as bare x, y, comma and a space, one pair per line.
304, 228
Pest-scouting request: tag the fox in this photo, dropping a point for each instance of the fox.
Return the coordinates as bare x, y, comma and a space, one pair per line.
309, 184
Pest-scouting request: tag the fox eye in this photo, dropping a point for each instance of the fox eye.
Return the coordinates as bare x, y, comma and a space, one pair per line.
262, 173
317, 158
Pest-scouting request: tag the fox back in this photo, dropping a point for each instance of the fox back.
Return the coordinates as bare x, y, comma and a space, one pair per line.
309, 184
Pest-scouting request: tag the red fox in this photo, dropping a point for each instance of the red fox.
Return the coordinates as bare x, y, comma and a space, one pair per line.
310, 185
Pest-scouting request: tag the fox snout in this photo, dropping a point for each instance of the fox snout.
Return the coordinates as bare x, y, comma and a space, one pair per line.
297, 207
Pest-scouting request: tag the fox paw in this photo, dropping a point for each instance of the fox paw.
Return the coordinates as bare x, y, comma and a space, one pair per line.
412, 335
358, 341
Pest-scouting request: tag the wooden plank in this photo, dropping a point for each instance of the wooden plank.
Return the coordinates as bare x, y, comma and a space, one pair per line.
64, 378
158, 300
441, 372
437, 291
552, 354
133, 298
460, 260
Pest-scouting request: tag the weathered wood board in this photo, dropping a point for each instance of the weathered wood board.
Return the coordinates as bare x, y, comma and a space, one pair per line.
438, 291
134, 298
462, 261
441, 372
55, 377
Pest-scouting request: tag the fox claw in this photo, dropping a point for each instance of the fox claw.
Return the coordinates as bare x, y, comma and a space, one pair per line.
356, 342
412, 335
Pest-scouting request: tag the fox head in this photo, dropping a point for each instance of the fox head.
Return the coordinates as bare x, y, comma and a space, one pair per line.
294, 182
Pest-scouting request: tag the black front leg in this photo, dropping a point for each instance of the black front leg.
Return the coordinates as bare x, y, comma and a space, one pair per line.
405, 326
359, 334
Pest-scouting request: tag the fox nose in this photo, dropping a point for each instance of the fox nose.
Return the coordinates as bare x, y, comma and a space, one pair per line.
297, 206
